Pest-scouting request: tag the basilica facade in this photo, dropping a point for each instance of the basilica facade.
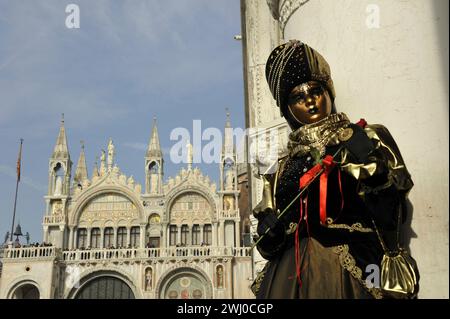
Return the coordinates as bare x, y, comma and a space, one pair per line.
107, 236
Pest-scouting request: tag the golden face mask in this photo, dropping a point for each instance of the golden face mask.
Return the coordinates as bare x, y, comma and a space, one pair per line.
309, 102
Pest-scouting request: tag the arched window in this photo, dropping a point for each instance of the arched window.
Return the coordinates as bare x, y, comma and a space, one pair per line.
122, 237
207, 234
95, 238
184, 234
173, 235
153, 168
59, 180
135, 236
196, 235
108, 237
82, 238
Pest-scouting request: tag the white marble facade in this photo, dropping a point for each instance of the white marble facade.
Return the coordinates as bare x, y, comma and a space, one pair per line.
173, 239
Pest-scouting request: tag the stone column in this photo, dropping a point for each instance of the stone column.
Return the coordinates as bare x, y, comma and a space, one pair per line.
220, 234
237, 237
214, 233
189, 239
163, 240
115, 237
128, 236
75, 237
71, 236
178, 235
62, 234
102, 238
47, 207
201, 233
88, 243
46, 234
142, 236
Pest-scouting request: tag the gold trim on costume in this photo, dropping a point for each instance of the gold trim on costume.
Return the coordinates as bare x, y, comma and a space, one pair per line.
292, 228
256, 285
348, 263
354, 227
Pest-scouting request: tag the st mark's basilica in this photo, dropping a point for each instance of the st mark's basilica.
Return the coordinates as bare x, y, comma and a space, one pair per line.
106, 236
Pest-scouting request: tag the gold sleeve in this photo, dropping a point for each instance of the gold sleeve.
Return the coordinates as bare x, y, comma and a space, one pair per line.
384, 160
269, 189
267, 201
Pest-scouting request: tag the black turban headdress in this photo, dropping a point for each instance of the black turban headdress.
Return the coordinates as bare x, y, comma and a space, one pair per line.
291, 64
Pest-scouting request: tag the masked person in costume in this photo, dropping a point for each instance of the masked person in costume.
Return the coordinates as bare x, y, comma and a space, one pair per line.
354, 187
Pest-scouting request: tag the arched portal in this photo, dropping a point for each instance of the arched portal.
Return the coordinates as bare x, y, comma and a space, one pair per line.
27, 291
105, 287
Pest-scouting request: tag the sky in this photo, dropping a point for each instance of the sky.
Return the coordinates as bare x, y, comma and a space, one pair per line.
129, 61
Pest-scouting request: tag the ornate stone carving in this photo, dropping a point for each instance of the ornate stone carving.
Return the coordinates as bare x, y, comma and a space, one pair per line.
287, 8
130, 182
109, 207
111, 153
57, 208
138, 188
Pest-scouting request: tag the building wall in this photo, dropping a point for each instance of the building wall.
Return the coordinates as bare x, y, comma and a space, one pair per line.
40, 273
260, 34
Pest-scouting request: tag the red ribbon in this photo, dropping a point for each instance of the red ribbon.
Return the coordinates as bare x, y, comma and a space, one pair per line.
328, 165
362, 123
309, 175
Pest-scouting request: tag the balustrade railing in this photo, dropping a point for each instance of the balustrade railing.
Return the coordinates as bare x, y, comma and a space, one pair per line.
242, 252
53, 219
29, 253
142, 253
125, 253
229, 214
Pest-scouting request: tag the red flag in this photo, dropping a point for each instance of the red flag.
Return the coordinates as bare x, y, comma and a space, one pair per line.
19, 160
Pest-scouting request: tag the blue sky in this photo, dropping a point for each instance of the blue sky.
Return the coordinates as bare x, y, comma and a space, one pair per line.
129, 61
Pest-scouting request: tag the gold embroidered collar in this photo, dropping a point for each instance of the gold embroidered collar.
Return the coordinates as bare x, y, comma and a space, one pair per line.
317, 135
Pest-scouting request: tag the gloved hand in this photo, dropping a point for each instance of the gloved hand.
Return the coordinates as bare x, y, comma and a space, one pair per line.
276, 235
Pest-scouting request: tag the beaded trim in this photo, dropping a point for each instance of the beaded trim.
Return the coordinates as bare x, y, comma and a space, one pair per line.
277, 70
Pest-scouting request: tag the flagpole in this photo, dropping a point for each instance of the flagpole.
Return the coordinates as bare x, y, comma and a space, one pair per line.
17, 188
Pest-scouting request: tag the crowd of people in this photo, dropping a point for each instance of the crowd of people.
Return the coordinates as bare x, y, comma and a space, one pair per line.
17, 244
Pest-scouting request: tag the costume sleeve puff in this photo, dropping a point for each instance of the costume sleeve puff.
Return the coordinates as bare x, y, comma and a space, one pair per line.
384, 181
